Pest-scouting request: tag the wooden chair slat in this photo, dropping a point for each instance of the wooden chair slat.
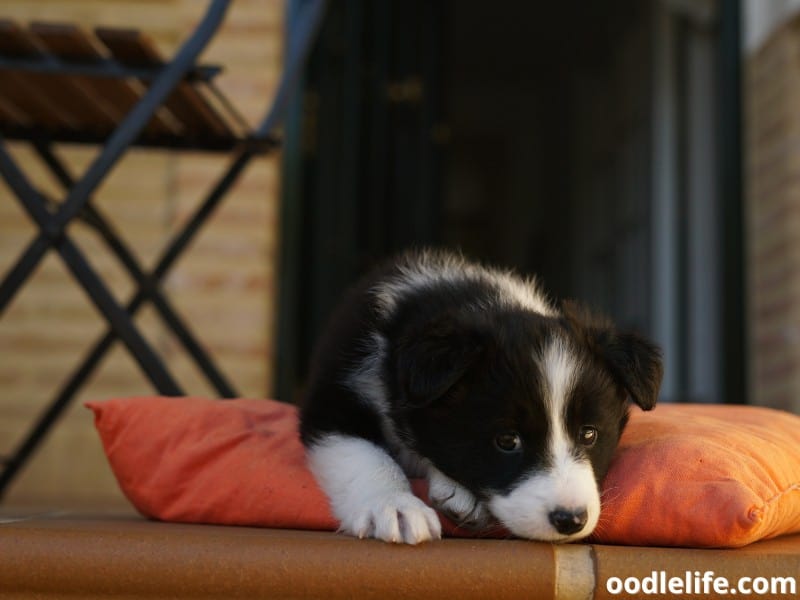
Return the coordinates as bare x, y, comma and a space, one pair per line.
10, 113
76, 106
14, 43
112, 98
26, 94
32, 93
130, 46
187, 104
67, 41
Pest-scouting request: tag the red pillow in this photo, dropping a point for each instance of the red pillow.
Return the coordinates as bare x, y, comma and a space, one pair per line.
233, 462
684, 475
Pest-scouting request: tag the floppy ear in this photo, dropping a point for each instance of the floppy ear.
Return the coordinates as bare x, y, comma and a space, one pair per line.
633, 361
433, 359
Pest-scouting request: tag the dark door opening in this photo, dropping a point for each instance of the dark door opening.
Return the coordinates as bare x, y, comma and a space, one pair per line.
521, 134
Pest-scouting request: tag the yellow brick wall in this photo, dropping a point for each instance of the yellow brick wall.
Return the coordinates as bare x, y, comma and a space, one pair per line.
772, 173
224, 287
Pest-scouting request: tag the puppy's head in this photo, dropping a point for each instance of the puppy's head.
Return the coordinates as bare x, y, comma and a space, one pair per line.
524, 410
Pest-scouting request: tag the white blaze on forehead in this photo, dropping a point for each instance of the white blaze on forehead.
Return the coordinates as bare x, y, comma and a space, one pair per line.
573, 477
560, 368
565, 482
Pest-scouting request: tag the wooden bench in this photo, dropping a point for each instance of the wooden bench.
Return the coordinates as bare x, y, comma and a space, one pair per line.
78, 555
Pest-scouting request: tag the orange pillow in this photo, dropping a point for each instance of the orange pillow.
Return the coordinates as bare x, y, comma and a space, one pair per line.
703, 475
233, 462
684, 475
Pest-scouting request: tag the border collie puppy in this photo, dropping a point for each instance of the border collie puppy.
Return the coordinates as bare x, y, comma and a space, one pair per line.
468, 376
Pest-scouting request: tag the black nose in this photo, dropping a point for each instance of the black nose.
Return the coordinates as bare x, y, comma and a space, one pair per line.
568, 522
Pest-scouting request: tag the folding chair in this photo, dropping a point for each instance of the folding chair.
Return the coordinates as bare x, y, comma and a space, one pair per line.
114, 90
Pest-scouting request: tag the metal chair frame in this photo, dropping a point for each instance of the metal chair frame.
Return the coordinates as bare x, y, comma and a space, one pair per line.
52, 220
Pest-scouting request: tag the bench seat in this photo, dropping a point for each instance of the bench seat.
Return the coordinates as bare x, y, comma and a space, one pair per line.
72, 554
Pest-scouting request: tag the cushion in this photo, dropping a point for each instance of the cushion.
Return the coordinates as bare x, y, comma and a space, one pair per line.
192, 460
703, 476
684, 475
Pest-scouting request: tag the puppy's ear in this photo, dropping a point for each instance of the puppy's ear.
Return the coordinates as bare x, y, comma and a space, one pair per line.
633, 361
430, 361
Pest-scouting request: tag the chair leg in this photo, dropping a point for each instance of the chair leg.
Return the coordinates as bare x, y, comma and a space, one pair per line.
33, 204
24, 267
172, 251
53, 226
148, 285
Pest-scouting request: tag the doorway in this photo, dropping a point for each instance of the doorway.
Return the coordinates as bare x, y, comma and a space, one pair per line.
576, 141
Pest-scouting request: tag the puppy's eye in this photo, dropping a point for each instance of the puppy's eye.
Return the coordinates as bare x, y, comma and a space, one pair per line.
508, 442
588, 436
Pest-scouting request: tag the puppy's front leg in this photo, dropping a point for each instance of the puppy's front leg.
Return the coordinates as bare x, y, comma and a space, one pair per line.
456, 501
368, 491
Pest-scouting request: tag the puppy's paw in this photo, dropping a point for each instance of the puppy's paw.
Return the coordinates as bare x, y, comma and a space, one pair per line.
456, 502
398, 518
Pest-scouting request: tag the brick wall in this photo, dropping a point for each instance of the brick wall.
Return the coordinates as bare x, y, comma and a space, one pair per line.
224, 286
772, 172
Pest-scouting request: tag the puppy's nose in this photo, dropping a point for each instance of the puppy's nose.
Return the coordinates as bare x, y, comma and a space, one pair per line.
568, 522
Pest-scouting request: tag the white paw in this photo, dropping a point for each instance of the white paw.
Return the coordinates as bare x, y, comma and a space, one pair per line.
369, 493
397, 518
456, 502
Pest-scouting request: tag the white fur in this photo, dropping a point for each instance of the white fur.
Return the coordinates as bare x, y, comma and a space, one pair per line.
368, 380
433, 268
369, 493
525, 511
568, 484
560, 371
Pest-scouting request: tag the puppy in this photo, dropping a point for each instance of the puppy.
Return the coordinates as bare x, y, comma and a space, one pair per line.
468, 376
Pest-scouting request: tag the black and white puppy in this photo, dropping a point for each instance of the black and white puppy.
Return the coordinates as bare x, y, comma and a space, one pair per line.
511, 408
